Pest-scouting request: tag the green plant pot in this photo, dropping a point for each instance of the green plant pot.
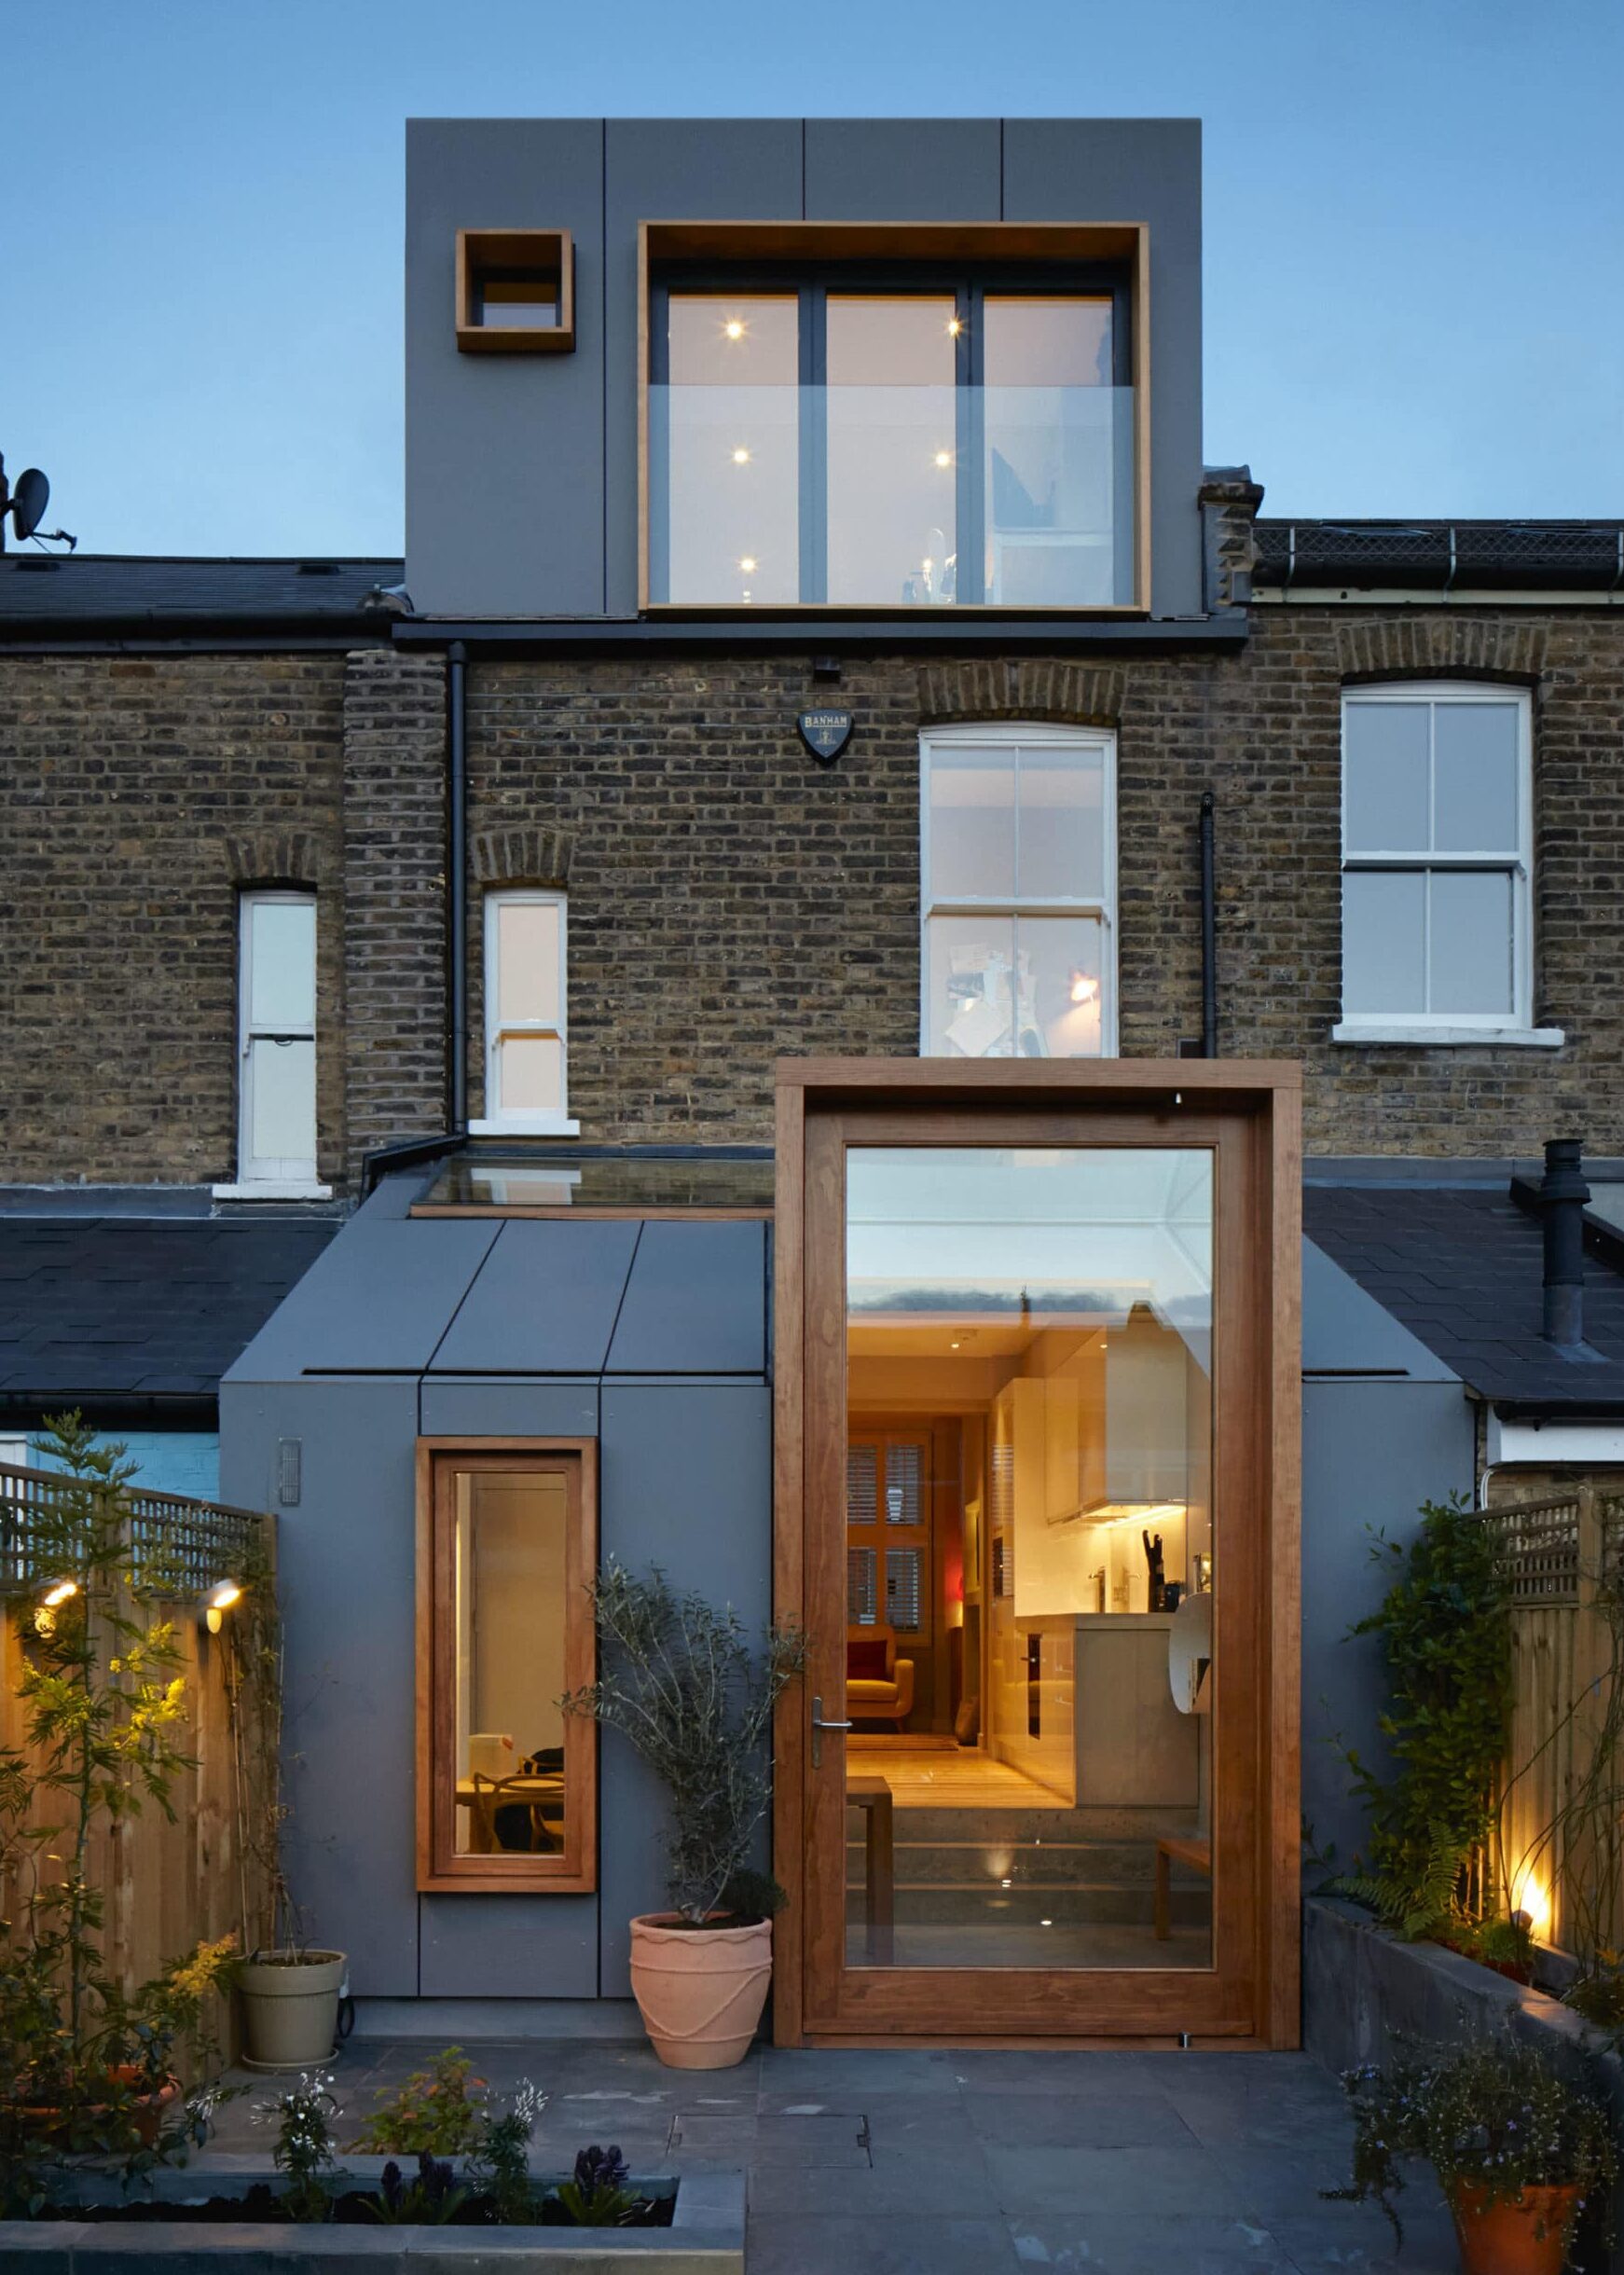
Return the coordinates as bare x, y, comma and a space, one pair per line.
290, 2007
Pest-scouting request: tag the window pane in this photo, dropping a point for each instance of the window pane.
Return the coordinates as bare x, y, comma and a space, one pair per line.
904, 1483
904, 1590
973, 824
1059, 454
968, 992
729, 426
510, 1612
282, 1121
1383, 937
1059, 996
525, 300
861, 1602
1469, 942
527, 957
282, 966
1385, 758
1474, 778
893, 449
530, 1073
1062, 838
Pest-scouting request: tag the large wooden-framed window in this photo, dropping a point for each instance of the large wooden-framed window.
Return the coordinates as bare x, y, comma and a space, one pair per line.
507, 1544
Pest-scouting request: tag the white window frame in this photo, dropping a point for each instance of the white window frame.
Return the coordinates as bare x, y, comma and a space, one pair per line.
1456, 1027
294, 1181
1007, 734
556, 1122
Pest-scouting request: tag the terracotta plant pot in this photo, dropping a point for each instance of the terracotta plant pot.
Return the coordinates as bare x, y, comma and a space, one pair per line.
1528, 2236
290, 2007
700, 1991
147, 2115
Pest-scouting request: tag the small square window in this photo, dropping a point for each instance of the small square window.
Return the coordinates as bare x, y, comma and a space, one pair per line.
515, 291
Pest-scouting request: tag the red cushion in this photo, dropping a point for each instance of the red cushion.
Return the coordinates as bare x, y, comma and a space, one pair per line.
865, 1658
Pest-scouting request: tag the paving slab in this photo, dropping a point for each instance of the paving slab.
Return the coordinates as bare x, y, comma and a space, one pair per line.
882, 2246
1149, 2244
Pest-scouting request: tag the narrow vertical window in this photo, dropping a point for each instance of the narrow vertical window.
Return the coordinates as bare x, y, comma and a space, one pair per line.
506, 1550
1019, 881
526, 1085
1437, 862
277, 1040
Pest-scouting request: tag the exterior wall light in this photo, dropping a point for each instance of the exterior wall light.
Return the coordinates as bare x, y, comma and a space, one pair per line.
50, 1603
218, 1602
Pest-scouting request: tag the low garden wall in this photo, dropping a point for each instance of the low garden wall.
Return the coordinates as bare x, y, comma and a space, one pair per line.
1364, 1990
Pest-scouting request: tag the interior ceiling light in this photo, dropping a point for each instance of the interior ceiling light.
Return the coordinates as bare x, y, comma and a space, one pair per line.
749, 564
1083, 989
954, 327
944, 458
734, 328
741, 456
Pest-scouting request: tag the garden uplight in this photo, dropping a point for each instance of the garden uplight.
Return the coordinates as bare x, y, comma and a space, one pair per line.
219, 1601
50, 1603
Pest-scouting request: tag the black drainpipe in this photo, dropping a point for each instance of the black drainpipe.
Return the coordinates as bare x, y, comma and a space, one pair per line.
1208, 933
1562, 1195
457, 885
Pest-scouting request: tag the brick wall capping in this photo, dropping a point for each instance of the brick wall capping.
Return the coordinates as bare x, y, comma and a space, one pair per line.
1071, 695
264, 859
522, 856
1442, 647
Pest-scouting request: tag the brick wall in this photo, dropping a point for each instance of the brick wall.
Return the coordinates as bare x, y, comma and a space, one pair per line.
139, 792
731, 900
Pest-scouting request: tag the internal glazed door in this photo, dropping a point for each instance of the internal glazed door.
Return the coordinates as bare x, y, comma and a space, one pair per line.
1038, 1773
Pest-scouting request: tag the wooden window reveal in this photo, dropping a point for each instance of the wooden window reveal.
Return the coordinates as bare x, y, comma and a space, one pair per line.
508, 1545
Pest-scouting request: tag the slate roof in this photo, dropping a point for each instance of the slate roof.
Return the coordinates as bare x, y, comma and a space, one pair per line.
1460, 1266
1425, 555
108, 1309
157, 594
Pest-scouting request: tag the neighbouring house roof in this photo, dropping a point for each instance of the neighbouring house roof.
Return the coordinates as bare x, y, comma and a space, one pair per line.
122, 1316
1441, 556
43, 594
1462, 1268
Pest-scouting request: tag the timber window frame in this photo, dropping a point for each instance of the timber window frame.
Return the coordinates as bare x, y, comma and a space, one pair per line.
547, 1024
1412, 865
945, 901
571, 1868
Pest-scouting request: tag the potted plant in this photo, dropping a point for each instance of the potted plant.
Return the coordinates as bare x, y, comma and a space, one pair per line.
290, 1991
679, 1681
88, 2067
1518, 2151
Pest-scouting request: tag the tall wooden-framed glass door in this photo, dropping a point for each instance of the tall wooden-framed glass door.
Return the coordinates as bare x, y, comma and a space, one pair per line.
1036, 1773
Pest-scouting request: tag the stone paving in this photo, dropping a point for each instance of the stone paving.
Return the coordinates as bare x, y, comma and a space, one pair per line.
955, 2163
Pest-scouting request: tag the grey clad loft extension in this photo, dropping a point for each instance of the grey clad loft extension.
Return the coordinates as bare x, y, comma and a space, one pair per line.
524, 470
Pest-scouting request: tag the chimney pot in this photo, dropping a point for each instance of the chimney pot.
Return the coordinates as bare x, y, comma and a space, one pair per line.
1562, 1195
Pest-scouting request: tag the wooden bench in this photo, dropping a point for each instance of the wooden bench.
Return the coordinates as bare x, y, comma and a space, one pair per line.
872, 1796
1197, 1854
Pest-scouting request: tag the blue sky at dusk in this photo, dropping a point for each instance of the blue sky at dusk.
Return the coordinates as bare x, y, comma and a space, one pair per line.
1414, 222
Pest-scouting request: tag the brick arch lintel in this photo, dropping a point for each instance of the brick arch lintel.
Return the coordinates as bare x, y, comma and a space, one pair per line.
1071, 695
276, 857
522, 856
1442, 647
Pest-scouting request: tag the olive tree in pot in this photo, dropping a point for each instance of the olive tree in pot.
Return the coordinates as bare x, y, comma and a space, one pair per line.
679, 1679
290, 1992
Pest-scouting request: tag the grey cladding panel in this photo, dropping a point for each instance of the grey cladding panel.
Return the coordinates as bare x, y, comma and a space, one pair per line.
346, 1565
510, 1947
1139, 170
1371, 1454
455, 1409
504, 453
695, 1304
686, 1483
903, 170
1346, 1330
377, 1302
671, 169
545, 1302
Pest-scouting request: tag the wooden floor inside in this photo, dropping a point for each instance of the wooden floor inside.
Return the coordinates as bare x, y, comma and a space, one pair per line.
928, 1777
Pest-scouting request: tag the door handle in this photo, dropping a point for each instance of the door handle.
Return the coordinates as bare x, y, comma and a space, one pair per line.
818, 1726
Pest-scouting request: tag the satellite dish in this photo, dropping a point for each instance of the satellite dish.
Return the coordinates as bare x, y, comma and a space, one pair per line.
30, 496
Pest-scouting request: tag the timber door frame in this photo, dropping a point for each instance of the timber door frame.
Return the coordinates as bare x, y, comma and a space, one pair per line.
1248, 1111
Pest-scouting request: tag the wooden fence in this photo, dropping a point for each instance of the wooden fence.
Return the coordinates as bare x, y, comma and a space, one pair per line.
166, 1885
1560, 1856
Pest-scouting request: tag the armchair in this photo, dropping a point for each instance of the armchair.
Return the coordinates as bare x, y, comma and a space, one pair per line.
879, 1686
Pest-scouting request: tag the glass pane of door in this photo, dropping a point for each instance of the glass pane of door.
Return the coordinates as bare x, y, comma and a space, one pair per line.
1029, 1658
509, 1630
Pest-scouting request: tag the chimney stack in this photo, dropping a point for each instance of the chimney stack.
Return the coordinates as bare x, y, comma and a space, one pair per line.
1562, 1195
